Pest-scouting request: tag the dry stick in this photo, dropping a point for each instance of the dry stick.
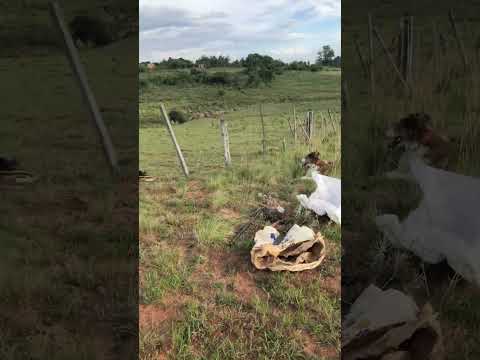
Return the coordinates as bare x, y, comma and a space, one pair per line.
371, 56
174, 139
380, 40
332, 121
435, 49
401, 47
264, 146
410, 50
294, 125
310, 124
302, 126
290, 127
459, 40
87, 93
360, 56
226, 142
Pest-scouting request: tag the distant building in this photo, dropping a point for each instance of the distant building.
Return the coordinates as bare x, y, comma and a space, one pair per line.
151, 66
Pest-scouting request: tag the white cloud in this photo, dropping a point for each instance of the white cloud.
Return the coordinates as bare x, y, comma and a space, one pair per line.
191, 28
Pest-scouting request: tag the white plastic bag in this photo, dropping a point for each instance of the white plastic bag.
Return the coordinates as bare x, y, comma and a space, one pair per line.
446, 225
327, 198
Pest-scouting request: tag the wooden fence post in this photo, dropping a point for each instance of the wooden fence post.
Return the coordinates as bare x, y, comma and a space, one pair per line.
87, 93
174, 139
264, 145
226, 142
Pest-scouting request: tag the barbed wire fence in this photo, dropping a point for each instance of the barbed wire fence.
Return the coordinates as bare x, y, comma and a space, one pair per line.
239, 137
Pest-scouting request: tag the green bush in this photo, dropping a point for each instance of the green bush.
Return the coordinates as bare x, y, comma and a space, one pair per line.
143, 83
220, 78
177, 116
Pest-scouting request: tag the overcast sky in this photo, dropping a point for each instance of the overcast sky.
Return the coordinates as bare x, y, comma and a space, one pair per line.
284, 29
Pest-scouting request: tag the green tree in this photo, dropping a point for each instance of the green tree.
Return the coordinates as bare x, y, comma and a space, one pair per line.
326, 55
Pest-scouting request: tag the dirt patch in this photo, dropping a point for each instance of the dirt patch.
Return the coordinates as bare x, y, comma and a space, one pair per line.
311, 348
148, 238
158, 315
151, 316
245, 286
333, 284
229, 214
196, 192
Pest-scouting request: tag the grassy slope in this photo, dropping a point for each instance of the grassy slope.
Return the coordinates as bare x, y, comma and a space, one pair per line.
439, 89
49, 274
201, 297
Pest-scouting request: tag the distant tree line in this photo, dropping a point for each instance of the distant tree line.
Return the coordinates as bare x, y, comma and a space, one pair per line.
257, 69
326, 57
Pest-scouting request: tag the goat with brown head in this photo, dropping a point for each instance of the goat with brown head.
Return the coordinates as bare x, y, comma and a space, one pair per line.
416, 132
312, 160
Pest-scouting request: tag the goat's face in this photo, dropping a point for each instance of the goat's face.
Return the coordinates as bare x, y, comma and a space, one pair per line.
408, 131
311, 159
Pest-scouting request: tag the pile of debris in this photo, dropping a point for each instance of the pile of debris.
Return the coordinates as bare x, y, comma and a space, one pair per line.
300, 248
388, 325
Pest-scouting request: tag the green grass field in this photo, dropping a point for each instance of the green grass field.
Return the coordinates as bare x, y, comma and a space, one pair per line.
64, 237
442, 89
200, 296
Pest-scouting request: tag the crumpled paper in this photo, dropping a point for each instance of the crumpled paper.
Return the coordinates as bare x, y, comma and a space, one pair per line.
300, 249
388, 325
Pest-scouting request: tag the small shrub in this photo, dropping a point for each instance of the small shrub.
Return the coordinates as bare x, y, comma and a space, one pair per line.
177, 116
219, 78
143, 83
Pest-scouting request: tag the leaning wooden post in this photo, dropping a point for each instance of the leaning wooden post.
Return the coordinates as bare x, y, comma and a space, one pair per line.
226, 142
264, 145
174, 139
87, 93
